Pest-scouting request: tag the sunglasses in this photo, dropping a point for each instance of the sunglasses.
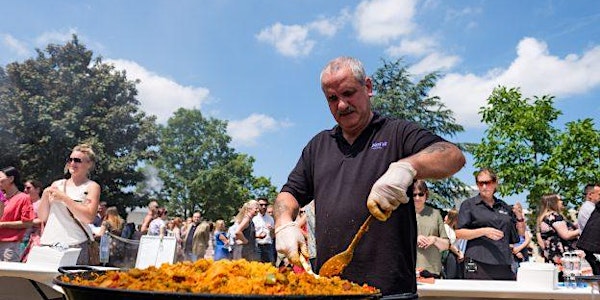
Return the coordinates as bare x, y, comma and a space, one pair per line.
418, 194
485, 182
262, 204
74, 159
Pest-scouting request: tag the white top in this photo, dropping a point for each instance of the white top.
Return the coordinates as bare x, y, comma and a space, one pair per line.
60, 227
584, 213
460, 244
155, 226
450, 233
260, 225
231, 232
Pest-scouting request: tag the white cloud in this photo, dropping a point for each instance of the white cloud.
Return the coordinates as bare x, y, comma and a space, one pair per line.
55, 37
541, 73
299, 40
462, 14
415, 47
246, 132
14, 45
434, 62
289, 40
535, 71
161, 96
381, 21
325, 27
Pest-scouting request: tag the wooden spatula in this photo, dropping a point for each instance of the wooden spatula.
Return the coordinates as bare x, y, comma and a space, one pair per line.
337, 263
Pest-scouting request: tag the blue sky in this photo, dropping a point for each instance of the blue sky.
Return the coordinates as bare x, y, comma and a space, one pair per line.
256, 64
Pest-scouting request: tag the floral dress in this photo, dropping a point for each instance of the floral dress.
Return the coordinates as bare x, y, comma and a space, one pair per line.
554, 245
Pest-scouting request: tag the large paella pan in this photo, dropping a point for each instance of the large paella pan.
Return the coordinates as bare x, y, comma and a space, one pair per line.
206, 279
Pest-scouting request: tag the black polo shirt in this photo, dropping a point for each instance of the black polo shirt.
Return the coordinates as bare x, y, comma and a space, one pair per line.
473, 214
339, 176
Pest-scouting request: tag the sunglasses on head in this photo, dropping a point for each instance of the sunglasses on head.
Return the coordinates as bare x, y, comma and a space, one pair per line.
74, 159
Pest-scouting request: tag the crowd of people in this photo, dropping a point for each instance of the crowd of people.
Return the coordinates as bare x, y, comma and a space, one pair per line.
487, 239
367, 165
69, 214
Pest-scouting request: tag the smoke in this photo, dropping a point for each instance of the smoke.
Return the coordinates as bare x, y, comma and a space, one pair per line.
152, 183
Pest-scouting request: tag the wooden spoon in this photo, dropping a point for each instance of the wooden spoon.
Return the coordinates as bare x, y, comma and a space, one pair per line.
337, 263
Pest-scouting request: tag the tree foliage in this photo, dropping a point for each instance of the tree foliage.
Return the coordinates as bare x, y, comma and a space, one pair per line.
201, 172
530, 155
399, 97
64, 97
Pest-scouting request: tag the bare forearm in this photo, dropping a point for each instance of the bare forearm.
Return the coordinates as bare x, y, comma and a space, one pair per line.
16, 224
441, 243
285, 209
454, 250
437, 161
44, 208
469, 234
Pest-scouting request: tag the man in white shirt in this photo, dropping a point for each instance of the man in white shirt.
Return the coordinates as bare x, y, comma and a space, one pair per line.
592, 196
264, 223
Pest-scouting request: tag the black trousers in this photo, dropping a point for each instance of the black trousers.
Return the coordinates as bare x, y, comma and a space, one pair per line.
594, 263
482, 271
452, 268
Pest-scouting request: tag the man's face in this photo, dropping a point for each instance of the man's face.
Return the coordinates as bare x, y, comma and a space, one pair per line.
270, 210
594, 195
348, 100
262, 206
102, 209
196, 218
486, 185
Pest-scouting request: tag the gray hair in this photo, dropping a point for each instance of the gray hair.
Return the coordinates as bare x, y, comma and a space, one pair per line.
339, 63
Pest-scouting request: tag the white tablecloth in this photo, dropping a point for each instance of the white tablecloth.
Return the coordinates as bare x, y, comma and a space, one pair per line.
23, 271
14, 283
497, 289
30, 271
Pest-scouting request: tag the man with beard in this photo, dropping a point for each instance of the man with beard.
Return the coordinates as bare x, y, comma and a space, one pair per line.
264, 224
195, 238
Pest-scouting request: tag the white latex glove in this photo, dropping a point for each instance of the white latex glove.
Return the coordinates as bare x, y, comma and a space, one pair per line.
290, 242
389, 191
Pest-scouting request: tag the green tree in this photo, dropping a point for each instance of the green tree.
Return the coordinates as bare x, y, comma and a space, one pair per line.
529, 154
64, 97
200, 171
398, 96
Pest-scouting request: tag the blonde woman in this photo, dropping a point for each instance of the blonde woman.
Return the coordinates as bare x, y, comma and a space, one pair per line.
557, 233
246, 232
221, 241
69, 203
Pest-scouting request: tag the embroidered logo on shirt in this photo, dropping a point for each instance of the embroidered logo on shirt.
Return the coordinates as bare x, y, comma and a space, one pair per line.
379, 145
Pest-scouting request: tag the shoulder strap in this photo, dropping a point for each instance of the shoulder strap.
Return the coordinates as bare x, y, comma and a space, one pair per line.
73, 216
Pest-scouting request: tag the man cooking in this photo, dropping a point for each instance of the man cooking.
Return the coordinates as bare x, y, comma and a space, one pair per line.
364, 165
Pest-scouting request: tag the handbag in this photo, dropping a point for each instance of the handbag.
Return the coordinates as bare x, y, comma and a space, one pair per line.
93, 247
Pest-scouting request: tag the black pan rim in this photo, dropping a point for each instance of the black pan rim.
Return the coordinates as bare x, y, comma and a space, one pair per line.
70, 286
